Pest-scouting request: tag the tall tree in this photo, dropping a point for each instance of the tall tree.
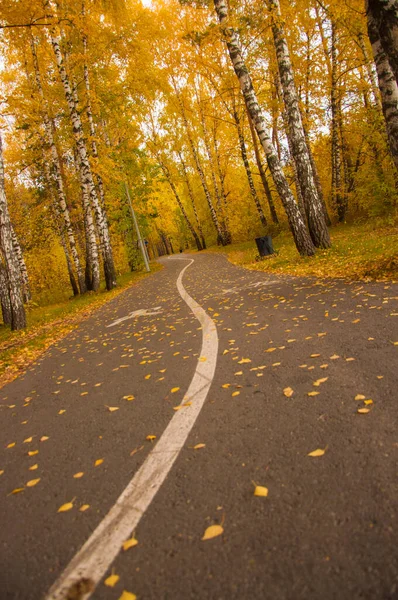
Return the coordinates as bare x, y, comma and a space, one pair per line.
86, 177
11, 277
384, 16
299, 230
312, 203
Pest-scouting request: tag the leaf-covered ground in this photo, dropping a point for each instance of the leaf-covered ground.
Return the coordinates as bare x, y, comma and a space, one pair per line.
358, 252
47, 324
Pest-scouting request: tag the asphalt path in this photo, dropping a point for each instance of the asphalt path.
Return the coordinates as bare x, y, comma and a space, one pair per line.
328, 527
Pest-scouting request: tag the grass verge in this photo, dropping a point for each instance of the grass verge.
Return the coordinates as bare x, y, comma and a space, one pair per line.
48, 324
357, 252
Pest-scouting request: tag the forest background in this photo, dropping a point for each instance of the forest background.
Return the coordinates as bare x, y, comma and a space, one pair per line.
99, 95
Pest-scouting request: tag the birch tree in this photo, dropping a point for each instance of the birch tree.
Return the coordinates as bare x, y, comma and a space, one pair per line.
384, 16
388, 88
11, 276
86, 177
299, 230
312, 203
62, 209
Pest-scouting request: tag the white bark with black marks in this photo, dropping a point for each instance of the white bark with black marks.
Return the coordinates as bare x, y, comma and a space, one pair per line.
86, 177
13, 275
57, 176
312, 204
299, 230
388, 88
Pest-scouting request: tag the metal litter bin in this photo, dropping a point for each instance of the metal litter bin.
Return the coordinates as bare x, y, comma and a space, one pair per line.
264, 245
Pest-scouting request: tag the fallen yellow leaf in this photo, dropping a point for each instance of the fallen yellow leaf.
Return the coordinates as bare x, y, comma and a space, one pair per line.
33, 467
32, 482
98, 462
359, 397
84, 507
127, 596
174, 390
235, 393
368, 402
363, 411
130, 543
150, 438
212, 532
44, 438
28, 440
199, 446
261, 491
11, 445
318, 382
33, 452
65, 507
243, 361
288, 392
78, 475
112, 580
312, 393
112, 408
317, 452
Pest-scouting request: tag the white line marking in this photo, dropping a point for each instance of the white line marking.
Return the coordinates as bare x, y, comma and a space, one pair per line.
101, 549
137, 313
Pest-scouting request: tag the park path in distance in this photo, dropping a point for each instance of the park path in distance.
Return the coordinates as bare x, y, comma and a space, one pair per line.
328, 527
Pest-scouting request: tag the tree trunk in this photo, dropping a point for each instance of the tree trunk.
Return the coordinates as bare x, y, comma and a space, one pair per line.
18, 316
249, 176
263, 176
384, 14
5, 295
317, 180
180, 204
192, 198
369, 70
338, 199
313, 207
224, 203
199, 169
60, 227
388, 88
26, 293
299, 230
57, 175
86, 177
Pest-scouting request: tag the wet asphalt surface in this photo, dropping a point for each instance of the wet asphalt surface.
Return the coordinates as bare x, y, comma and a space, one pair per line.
329, 526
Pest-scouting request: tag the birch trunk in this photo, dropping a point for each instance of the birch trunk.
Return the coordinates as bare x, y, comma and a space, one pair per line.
180, 204
263, 176
5, 295
299, 230
313, 207
384, 14
60, 227
337, 191
86, 177
317, 180
201, 174
18, 317
388, 88
224, 202
57, 174
26, 293
219, 196
243, 152
371, 75
192, 198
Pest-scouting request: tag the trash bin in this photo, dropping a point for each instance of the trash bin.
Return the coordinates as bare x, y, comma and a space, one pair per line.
264, 245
